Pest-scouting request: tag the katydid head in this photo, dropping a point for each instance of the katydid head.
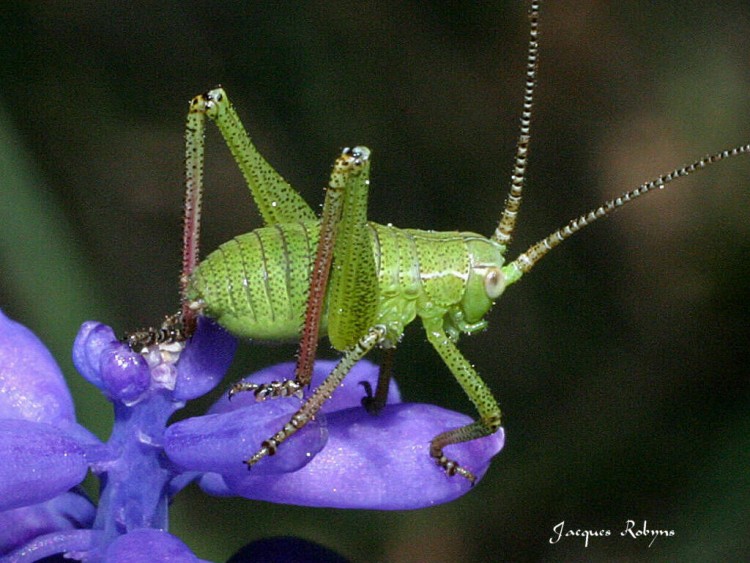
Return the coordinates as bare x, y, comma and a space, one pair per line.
486, 281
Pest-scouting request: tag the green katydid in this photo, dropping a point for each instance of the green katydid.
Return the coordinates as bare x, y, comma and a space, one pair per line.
272, 283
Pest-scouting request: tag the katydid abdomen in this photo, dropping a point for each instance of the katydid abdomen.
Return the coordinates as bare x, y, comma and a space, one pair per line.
257, 284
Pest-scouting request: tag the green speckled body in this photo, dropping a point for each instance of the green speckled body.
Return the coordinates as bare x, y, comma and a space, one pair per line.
302, 276
256, 285
358, 282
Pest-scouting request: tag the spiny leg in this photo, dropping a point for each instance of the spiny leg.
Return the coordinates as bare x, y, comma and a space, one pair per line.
180, 326
352, 298
476, 389
277, 201
346, 177
195, 137
353, 293
347, 169
322, 393
171, 331
375, 403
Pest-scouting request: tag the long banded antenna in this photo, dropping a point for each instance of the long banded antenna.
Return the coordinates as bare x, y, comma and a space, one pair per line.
536, 252
504, 230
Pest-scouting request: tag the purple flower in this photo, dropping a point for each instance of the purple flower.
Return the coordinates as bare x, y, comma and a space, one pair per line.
40, 442
344, 458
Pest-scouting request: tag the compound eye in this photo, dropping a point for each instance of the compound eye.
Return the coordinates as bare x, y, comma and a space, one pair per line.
494, 282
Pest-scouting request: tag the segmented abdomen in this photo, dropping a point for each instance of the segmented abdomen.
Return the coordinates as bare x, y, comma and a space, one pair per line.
256, 284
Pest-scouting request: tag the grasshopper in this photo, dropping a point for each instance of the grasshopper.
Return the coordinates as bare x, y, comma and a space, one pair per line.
273, 283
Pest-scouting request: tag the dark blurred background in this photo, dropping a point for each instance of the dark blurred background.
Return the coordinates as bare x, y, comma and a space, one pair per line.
621, 362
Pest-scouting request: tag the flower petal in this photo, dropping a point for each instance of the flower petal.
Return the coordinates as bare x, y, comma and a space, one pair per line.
124, 375
91, 341
146, 544
376, 462
204, 361
214, 484
379, 462
221, 442
109, 364
39, 462
68, 511
234, 430
31, 384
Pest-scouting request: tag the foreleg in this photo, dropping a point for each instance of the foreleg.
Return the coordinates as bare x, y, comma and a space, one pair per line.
476, 389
